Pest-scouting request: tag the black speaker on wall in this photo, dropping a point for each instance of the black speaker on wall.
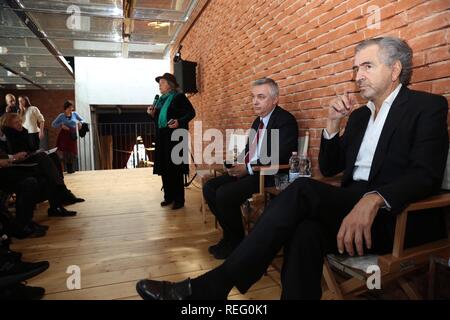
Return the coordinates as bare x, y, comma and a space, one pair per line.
185, 72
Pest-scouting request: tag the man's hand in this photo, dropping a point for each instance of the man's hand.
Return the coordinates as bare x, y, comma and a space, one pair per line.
19, 156
339, 108
5, 163
238, 170
356, 226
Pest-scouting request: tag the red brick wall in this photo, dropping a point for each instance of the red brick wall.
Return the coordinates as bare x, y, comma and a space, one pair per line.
307, 46
50, 103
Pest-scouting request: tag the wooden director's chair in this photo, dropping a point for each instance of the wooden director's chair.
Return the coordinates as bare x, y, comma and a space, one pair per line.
396, 265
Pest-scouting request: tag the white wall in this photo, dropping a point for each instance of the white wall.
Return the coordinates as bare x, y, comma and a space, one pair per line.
114, 81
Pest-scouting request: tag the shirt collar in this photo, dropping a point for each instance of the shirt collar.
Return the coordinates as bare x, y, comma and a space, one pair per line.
265, 120
388, 101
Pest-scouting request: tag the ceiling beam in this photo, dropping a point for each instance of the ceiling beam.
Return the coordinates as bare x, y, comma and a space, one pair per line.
20, 74
28, 21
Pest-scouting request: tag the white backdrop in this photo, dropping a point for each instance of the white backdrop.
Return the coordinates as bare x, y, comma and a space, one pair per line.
115, 81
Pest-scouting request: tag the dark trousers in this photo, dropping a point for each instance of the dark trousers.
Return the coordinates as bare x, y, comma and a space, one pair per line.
26, 189
173, 185
224, 195
304, 219
49, 177
34, 141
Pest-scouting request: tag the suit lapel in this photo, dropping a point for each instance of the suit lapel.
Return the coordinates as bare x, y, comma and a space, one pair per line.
393, 119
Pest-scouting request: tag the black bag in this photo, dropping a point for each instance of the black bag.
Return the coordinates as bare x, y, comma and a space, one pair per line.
84, 129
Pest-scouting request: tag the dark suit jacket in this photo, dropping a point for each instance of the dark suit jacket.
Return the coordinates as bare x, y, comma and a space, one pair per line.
409, 160
411, 154
286, 123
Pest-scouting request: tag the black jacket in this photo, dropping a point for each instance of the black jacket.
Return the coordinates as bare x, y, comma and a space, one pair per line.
18, 141
411, 154
180, 109
287, 127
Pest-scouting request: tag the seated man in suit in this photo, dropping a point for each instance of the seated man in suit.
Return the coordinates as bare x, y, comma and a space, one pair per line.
393, 152
225, 194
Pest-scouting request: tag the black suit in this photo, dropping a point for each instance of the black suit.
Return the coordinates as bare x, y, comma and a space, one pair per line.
408, 165
225, 194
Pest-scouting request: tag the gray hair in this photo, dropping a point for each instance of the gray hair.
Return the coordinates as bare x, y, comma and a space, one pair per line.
391, 50
274, 90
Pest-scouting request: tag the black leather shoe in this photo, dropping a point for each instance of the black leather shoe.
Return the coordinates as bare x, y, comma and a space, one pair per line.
177, 206
166, 203
164, 290
223, 252
22, 292
70, 198
15, 255
13, 271
39, 226
28, 231
60, 212
212, 249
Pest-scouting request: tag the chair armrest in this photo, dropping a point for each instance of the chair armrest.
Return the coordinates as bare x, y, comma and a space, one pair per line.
266, 170
437, 201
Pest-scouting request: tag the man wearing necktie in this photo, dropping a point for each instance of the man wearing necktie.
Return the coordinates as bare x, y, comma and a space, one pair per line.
226, 193
393, 152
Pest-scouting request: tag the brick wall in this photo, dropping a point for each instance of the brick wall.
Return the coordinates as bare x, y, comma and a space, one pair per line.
307, 46
50, 103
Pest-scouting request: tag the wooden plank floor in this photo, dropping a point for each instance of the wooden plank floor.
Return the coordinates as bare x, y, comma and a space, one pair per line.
121, 235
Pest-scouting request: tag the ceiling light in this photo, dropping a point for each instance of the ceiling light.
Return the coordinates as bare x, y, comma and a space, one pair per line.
23, 64
3, 50
20, 86
38, 74
116, 11
158, 25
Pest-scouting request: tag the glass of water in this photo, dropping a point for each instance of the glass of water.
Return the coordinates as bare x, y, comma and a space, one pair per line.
305, 166
281, 181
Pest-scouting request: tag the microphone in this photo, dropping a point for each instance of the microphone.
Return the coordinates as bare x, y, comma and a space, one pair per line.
155, 101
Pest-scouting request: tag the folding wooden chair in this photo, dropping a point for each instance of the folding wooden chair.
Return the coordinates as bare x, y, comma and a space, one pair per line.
396, 265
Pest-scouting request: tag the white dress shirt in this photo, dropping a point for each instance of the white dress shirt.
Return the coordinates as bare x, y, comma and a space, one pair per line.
255, 157
369, 144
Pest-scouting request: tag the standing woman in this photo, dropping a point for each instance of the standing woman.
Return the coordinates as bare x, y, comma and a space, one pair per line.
32, 120
66, 142
172, 111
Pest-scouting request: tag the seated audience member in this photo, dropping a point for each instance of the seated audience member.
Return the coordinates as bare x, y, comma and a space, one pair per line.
45, 171
26, 189
19, 140
226, 193
393, 152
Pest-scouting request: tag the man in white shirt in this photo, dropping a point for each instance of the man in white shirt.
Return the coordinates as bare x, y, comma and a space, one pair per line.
393, 152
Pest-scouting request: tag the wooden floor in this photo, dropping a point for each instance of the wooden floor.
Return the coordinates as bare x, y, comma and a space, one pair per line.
121, 235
